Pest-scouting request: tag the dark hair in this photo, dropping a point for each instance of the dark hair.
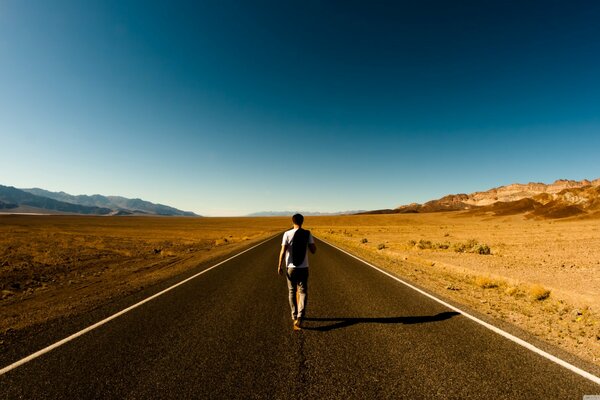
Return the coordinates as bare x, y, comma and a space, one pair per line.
298, 219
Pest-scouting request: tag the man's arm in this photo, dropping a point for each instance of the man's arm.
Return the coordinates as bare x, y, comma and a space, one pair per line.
284, 248
311, 243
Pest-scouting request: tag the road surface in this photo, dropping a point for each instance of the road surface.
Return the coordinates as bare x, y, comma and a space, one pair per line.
228, 334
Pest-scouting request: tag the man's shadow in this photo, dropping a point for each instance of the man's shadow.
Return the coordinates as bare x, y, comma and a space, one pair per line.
345, 322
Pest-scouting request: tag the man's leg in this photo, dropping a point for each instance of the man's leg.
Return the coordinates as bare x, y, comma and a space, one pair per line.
302, 283
292, 285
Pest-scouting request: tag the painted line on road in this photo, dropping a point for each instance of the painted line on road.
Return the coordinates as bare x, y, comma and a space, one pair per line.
491, 327
118, 314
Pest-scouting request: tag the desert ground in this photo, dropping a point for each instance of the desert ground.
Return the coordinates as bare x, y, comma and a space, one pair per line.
56, 266
540, 275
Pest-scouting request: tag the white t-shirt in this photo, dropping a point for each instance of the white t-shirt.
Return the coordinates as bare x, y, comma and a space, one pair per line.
288, 237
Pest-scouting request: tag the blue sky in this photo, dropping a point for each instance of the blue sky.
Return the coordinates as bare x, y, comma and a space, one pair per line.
227, 108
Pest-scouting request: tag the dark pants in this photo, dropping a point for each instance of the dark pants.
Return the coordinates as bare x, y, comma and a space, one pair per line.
297, 280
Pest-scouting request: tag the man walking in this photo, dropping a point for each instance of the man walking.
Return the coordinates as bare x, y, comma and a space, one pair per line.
295, 260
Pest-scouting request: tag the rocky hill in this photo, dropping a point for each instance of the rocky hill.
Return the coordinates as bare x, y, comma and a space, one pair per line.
520, 191
563, 198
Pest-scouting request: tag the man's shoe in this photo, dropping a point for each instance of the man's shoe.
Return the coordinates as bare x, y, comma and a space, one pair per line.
297, 325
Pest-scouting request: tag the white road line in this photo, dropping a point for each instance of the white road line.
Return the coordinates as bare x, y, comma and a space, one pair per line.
491, 327
104, 321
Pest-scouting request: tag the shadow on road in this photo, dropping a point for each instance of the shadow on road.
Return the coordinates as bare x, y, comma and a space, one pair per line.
345, 322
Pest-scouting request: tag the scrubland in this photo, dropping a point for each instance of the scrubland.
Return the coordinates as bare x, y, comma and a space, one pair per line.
541, 275
55, 266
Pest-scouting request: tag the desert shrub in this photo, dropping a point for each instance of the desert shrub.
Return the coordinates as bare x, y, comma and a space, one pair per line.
511, 291
471, 243
364, 240
485, 282
428, 244
483, 249
459, 247
381, 246
538, 292
472, 246
424, 244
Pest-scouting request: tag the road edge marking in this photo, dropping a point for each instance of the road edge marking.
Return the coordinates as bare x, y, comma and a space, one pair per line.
489, 326
53, 346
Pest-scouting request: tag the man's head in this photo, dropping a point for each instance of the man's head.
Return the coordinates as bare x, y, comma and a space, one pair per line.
298, 219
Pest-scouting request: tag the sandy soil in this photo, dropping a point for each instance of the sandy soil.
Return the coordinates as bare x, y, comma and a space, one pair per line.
54, 266
541, 275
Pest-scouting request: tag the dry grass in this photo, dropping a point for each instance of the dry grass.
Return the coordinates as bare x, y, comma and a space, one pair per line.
538, 292
485, 282
52, 266
541, 275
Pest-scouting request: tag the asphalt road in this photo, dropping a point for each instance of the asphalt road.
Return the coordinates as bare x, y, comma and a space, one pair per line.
228, 334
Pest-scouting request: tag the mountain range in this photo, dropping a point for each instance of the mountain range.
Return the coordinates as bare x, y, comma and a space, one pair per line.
13, 200
305, 213
560, 199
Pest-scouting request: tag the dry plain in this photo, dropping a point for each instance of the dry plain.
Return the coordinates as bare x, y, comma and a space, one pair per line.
541, 275
56, 266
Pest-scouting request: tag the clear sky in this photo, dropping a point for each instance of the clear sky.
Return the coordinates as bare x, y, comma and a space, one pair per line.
227, 108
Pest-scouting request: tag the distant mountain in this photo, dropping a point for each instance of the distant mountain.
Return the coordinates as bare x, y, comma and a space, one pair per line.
305, 213
116, 203
7, 206
563, 198
43, 201
569, 202
13, 198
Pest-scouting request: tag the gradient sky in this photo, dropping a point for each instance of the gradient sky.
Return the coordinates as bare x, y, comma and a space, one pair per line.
227, 108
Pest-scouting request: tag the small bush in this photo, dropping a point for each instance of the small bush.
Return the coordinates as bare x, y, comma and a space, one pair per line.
511, 291
471, 243
380, 246
538, 292
472, 246
428, 245
483, 249
364, 240
460, 247
424, 244
485, 282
